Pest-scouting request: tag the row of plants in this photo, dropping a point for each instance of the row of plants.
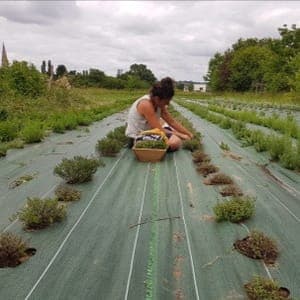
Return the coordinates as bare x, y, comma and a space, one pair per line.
287, 126
280, 148
40, 213
238, 209
30, 120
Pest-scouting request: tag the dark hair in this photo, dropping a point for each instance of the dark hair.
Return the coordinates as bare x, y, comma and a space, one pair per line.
163, 89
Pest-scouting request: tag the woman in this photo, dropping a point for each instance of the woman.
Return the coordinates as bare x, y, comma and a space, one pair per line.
145, 114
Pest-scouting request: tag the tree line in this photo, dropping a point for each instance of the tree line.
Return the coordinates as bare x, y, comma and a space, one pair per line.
259, 65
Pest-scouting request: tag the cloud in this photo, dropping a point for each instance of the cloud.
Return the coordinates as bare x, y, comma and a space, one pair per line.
175, 38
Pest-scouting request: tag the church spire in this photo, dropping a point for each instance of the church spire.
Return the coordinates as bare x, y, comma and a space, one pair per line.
4, 57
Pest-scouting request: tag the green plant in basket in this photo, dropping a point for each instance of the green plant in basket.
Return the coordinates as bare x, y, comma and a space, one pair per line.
151, 144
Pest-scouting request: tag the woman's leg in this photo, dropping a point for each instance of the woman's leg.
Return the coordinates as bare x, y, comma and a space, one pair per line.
174, 143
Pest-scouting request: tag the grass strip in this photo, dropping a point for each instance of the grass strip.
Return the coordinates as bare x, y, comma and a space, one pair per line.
151, 277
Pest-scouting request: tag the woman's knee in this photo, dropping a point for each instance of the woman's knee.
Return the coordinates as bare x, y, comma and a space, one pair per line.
174, 142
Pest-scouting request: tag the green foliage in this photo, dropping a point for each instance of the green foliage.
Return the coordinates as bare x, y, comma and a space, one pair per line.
260, 288
3, 149
21, 79
39, 213
119, 134
61, 70
66, 193
32, 132
109, 146
78, 169
8, 130
3, 114
141, 72
192, 144
12, 249
235, 210
151, 144
258, 64
224, 146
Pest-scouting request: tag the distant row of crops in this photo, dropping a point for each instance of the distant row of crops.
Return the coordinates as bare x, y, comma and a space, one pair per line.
286, 125
280, 148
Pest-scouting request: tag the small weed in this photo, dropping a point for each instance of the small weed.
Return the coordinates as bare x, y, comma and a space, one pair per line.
66, 193
12, 250
224, 146
218, 178
207, 168
108, 147
258, 246
78, 169
192, 145
200, 156
260, 288
8, 131
38, 213
16, 143
231, 190
235, 210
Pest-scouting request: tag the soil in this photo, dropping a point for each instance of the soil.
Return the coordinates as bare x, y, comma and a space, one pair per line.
244, 247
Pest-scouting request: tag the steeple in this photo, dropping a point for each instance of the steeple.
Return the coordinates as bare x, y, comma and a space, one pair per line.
4, 57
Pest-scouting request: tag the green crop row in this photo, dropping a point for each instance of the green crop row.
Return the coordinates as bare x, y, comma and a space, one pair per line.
280, 149
286, 126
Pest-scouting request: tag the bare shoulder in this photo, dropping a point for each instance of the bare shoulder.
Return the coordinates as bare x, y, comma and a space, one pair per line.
145, 106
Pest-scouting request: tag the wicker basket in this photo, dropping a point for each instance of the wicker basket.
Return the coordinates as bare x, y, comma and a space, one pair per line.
148, 154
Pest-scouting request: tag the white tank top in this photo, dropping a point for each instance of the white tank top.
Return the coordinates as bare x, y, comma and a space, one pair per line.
135, 121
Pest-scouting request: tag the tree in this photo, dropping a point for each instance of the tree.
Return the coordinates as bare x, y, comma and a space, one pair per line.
96, 77
61, 70
22, 79
43, 67
248, 67
141, 71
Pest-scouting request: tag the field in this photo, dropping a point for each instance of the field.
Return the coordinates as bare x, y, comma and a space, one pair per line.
148, 230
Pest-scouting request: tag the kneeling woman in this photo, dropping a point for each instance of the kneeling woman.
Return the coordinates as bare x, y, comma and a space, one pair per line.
145, 114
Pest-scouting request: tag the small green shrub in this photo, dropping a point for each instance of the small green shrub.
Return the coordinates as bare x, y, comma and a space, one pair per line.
8, 131
66, 193
151, 144
12, 249
235, 210
38, 213
260, 288
78, 169
258, 246
224, 146
32, 133
119, 135
109, 147
192, 144
3, 150
277, 146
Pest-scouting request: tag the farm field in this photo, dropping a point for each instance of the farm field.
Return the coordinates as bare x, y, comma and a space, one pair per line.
147, 230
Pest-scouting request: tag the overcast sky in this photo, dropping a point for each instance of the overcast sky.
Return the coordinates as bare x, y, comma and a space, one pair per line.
173, 38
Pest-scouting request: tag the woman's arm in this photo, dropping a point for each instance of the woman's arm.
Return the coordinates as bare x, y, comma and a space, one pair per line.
174, 124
